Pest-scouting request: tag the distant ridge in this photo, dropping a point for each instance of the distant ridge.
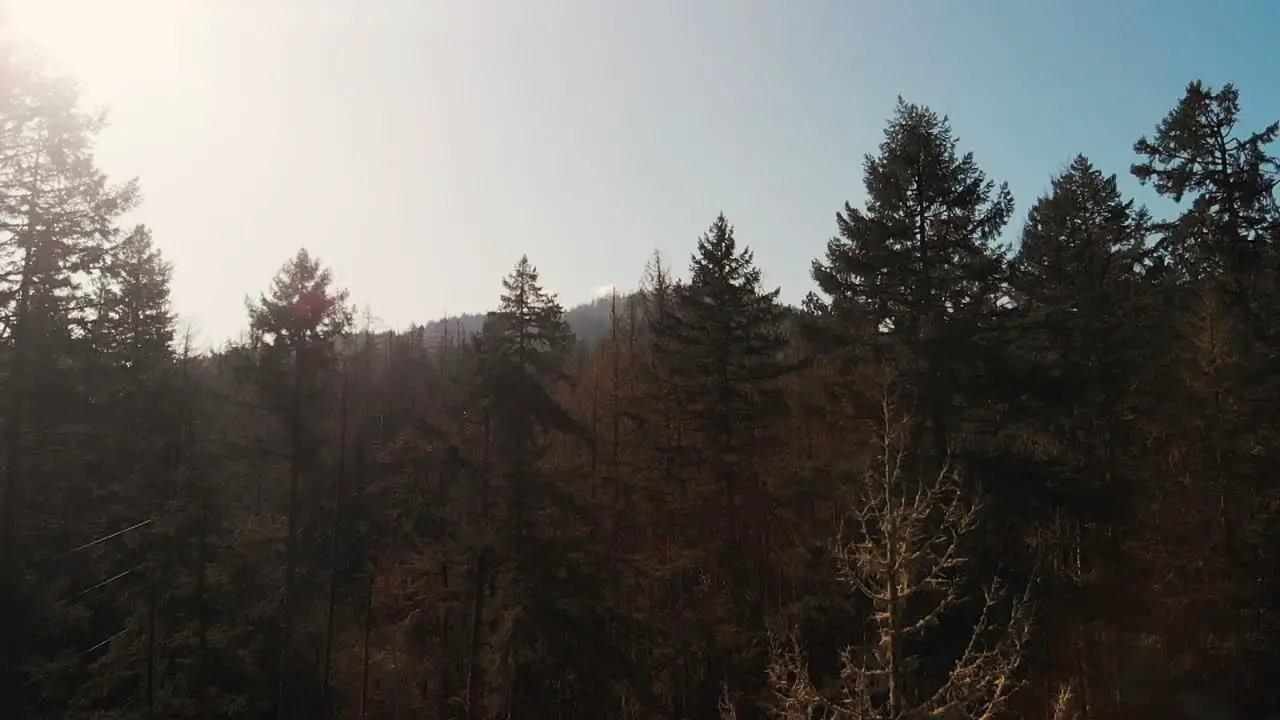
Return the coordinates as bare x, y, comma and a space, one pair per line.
589, 321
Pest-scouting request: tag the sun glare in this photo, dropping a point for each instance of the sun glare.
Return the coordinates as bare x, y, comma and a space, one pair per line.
108, 45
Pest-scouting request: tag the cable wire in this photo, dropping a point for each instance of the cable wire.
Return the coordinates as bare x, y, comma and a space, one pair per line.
92, 543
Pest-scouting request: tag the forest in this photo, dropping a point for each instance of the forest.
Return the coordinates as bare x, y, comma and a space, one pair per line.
966, 478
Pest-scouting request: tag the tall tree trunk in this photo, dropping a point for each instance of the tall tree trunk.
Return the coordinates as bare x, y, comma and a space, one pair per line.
290, 548
364, 654
152, 600
339, 490
475, 675
202, 629
15, 450
616, 400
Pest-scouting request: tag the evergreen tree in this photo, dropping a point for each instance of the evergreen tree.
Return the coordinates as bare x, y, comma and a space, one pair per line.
549, 628
57, 212
1082, 328
1217, 423
140, 312
717, 347
134, 395
718, 350
456, 542
919, 267
135, 331
526, 345
528, 329
1229, 179
294, 330
1078, 290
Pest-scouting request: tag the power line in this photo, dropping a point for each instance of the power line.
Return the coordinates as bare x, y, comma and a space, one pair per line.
40, 678
102, 584
92, 543
104, 642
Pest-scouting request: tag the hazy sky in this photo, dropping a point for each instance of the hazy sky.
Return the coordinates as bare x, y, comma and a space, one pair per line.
420, 146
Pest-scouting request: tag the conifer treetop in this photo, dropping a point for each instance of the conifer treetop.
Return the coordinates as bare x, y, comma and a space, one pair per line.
302, 307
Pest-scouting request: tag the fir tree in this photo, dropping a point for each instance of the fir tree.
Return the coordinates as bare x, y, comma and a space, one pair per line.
919, 266
294, 328
718, 351
528, 329
56, 213
1082, 328
135, 331
135, 393
1229, 178
1214, 414
140, 313
550, 626
717, 346
1078, 290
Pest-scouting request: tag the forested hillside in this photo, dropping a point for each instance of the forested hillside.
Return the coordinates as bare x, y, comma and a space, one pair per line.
590, 322
962, 481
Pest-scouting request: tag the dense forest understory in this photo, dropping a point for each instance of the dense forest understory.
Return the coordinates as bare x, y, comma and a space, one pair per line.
963, 480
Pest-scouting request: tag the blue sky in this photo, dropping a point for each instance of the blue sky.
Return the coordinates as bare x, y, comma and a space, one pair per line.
420, 146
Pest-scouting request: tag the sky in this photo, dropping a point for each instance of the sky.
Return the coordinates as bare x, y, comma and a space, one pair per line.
419, 147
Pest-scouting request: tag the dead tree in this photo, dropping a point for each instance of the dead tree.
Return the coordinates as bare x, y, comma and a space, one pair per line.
904, 547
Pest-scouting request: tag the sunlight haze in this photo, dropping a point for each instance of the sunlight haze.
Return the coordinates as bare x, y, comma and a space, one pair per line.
114, 48
325, 391
420, 147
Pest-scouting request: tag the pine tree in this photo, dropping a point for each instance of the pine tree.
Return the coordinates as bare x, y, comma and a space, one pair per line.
294, 329
718, 352
140, 311
135, 334
134, 391
1229, 179
1078, 294
665, 453
1082, 327
718, 346
527, 344
548, 629
56, 213
1214, 414
528, 329
914, 283
918, 270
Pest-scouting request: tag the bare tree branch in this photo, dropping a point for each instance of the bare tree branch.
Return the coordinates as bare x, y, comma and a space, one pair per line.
906, 539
